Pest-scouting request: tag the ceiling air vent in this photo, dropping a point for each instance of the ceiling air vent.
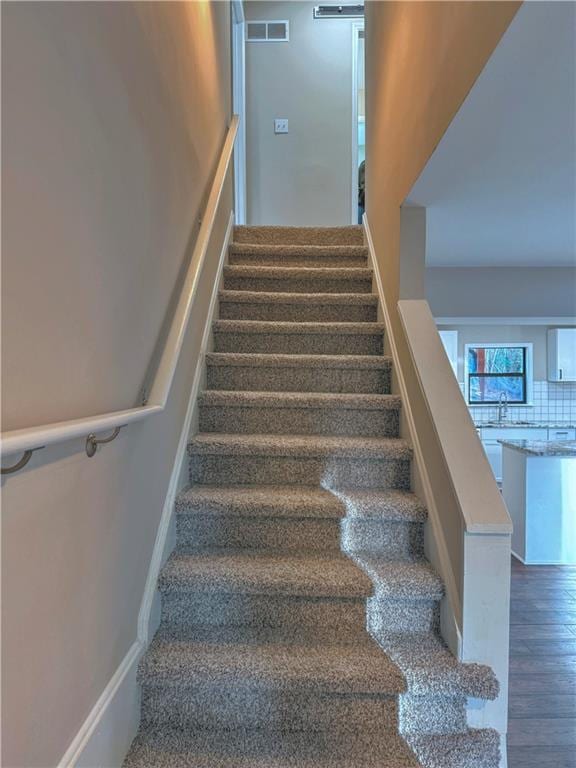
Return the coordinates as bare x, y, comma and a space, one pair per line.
267, 31
339, 12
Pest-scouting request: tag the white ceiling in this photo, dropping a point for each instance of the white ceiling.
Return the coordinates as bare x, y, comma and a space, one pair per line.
501, 186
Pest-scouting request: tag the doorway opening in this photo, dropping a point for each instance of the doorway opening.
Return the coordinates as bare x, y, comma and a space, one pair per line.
358, 121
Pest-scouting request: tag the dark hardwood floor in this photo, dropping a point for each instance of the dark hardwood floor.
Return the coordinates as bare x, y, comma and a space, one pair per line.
542, 727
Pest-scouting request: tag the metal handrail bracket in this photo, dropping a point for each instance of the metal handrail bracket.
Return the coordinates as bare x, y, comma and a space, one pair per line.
22, 463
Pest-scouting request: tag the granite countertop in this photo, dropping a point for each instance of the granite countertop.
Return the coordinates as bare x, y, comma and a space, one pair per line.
523, 424
564, 448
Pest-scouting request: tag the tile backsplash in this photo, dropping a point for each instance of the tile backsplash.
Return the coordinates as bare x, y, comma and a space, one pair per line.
554, 403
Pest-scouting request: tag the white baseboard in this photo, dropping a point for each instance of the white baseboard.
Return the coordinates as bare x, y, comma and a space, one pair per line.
106, 735
107, 732
448, 609
161, 545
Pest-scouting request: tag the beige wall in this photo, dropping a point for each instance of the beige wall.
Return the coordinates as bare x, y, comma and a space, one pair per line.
113, 115
501, 291
305, 177
113, 119
422, 58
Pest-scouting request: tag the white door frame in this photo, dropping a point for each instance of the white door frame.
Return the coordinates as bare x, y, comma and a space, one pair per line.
239, 108
357, 26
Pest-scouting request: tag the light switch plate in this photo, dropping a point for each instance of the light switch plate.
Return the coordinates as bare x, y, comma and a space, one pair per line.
281, 125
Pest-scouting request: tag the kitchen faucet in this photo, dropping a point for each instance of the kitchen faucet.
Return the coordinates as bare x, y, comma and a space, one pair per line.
502, 406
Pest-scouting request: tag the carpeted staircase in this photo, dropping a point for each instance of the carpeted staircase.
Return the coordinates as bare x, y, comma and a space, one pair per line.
299, 614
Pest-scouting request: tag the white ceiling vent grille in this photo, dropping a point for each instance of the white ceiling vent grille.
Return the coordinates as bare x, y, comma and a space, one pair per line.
267, 31
339, 12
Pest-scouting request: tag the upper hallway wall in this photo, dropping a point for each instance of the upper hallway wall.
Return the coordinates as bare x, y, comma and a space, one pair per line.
501, 291
113, 116
422, 58
305, 177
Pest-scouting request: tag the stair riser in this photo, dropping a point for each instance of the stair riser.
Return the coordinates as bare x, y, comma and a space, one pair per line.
388, 540
392, 541
272, 470
303, 313
229, 707
296, 618
298, 284
300, 343
285, 260
302, 421
432, 714
468, 751
299, 379
386, 615
268, 533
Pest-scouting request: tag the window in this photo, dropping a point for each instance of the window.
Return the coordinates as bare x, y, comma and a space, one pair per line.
492, 370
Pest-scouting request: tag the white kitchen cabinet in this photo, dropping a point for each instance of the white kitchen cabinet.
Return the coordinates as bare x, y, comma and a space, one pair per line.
562, 354
493, 449
450, 341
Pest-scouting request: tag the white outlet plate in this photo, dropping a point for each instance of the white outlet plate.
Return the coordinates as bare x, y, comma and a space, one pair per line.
281, 125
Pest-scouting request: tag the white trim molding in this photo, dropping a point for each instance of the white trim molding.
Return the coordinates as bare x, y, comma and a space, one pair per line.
239, 107
148, 618
106, 734
357, 26
528, 373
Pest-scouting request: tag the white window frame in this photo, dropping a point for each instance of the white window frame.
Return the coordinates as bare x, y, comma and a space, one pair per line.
529, 347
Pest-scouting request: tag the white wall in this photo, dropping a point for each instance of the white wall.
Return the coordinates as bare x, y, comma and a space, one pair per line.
305, 177
113, 119
412, 252
501, 291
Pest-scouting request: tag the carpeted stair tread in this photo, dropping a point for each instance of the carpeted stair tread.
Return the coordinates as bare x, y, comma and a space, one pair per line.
430, 667
346, 401
402, 580
164, 748
260, 359
299, 502
261, 573
391, 448
300, 620
278, 297
470, 749
338, 668
284, 327
281, 235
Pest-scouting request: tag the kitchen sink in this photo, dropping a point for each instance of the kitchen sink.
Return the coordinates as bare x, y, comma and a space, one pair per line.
508, 423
